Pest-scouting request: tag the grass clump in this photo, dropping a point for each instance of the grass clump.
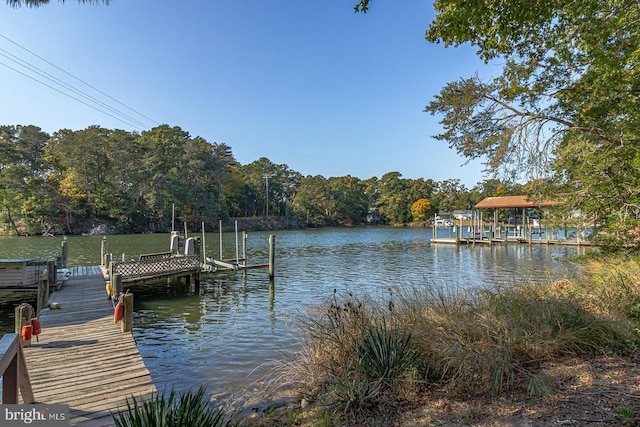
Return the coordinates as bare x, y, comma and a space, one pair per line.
185, 409
365, 355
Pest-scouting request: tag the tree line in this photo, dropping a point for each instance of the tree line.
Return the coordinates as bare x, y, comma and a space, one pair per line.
563, 114
72, 181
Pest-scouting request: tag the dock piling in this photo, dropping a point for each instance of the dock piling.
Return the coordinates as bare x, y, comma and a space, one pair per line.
64, 252
272, 244
116, 282
127, 320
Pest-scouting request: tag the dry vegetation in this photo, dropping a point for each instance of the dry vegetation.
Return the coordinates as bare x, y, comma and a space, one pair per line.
563, 353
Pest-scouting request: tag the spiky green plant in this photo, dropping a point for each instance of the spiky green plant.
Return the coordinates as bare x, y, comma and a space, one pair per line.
385, 353
184, 409
356, 393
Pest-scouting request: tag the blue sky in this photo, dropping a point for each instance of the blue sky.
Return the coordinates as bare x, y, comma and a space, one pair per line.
309, 84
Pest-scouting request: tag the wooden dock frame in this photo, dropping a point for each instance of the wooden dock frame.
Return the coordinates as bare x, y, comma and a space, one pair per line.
240, 263
168, 265
482, 233
82, 358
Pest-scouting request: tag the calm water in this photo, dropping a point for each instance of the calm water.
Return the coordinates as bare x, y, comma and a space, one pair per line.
228, 336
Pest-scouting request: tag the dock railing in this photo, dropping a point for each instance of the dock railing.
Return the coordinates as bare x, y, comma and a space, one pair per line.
155, 266
13, 368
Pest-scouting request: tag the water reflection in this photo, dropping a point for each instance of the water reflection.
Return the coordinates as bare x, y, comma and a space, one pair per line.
228, 336
244, 323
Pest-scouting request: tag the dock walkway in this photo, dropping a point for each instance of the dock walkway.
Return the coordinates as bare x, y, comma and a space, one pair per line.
81, 358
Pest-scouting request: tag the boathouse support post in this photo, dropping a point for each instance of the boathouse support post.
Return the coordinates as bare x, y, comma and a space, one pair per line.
433, 228
127, 320
272, 244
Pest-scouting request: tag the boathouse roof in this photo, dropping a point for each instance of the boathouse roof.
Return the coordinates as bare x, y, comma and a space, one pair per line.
506, 202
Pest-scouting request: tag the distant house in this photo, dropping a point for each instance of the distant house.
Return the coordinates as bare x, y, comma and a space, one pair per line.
373, 217
443, 218
462, 214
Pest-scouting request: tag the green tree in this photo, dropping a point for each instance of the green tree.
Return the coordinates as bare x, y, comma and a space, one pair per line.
313, 202
274, 185
450, 195
240, 198
393, 204
87, 174
566, 106
206, 166
24, 193
419, 189
162, 175
350, 203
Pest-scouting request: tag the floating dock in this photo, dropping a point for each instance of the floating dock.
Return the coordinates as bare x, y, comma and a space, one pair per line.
81, 358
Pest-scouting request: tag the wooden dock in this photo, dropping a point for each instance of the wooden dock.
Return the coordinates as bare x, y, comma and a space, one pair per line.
154, 267
487, 241
81, 358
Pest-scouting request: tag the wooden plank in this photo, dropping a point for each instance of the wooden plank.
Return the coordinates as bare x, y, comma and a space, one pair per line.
81, 358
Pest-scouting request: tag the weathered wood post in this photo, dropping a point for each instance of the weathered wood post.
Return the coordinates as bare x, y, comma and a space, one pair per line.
104, 252
220, 232
203, 248
237, 247
272, 244
23, 315
434, 236
10, 379
196, 282
127, 320
244, 248
43, 295
272, 295
53, 275
64, 253
15, 376
116, 282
